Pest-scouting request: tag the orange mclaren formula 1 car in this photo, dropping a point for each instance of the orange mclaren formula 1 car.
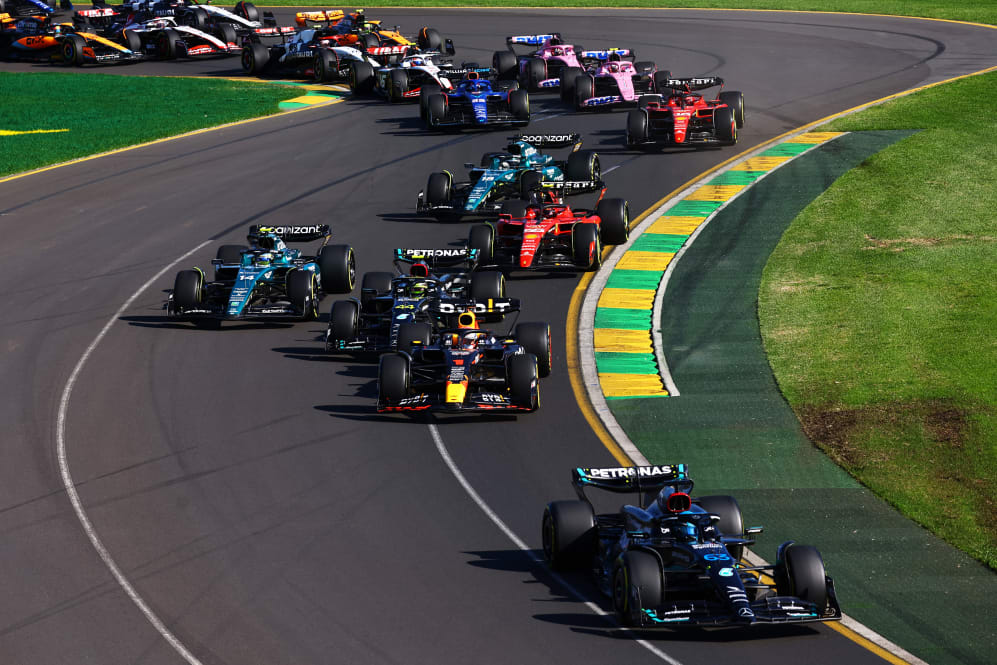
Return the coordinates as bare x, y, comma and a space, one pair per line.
355, 30
35, 38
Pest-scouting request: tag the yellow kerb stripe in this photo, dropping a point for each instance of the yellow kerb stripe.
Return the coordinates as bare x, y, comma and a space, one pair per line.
308, 99
675, 225
627, 298
622, 341
760, 163
714, 192
631, 385
815, 137
645, 261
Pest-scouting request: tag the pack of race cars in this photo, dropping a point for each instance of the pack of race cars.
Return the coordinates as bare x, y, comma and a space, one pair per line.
442, 328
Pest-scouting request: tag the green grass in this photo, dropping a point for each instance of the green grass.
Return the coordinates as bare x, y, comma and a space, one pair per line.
978, 11
103, 112
879, 312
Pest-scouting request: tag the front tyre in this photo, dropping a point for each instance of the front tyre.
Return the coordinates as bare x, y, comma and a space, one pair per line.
524, 389
800, 573
637, 584
188, 289
302, 292
393, 378
586, 252
344, 323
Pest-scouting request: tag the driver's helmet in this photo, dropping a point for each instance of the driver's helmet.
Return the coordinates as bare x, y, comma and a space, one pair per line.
470, 340
467, 321
614, 67
557, 51
419, 290
56, 30
417, 62
477, 86
264, 259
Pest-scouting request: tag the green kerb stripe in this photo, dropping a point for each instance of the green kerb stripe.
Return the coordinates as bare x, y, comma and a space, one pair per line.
611, 362
623, 319
737, 178
787, 149
658, 242
693, 208
633, 279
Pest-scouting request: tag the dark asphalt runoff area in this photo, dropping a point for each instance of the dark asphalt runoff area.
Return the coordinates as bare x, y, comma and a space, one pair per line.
241, 479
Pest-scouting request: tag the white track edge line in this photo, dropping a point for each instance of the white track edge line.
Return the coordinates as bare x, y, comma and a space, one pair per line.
70, 485
518, 542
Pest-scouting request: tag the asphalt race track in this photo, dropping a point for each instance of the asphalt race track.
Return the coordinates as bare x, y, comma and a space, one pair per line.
241, 479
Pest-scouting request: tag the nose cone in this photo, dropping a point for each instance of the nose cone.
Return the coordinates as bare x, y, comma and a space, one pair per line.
456, 392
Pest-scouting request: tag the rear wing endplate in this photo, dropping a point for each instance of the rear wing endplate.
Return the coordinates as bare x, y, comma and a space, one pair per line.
295, 233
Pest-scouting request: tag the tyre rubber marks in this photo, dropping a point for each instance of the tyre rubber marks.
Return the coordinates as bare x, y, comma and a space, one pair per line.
622, 335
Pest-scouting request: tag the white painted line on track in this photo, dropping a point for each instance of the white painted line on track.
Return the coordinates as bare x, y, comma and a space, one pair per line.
70, 485
611, 169
518, 542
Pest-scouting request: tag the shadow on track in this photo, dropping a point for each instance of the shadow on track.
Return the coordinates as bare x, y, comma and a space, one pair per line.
208, 325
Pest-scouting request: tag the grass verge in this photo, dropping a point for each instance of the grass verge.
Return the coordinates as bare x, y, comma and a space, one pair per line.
103, 112
977, 11
878, 311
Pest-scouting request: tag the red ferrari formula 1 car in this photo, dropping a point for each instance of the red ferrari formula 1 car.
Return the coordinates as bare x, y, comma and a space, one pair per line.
546, 234
685, 117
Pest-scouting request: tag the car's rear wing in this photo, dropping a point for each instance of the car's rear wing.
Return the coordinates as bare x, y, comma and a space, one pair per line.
569, 187
98, 17
530, 40
327, 16
691, 84
629, 479
448, 257
295, 233
550, 140
461, 73
602, 55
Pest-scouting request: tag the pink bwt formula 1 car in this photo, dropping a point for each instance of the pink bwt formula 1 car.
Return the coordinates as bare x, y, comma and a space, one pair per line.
615, 82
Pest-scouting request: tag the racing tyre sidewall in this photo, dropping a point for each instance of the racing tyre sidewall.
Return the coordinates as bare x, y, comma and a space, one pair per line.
614, 216
393, 378
568, 534
534, 336
337, 268
523, 381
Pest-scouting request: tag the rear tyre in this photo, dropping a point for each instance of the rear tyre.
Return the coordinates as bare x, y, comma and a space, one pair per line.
614, 228
196, 18
636, 127
229, 255
524, 389
802, 575
397, 86
338, 268
661, 81
637, 571
247, 10
583, 165
731, 522
393, 378
586, 252
188, 289
482, 238
735, 100
536, 71
568, 534
438, 189
255, 58
519, 105
535, 337
505, 63
361, 77
326, 66
412, 335
429, 39
725, 126
487, 285
344, 322
584, 89
302, 292
568, 77
72, 50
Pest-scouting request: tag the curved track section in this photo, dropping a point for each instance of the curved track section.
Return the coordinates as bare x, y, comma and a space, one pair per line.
240, 477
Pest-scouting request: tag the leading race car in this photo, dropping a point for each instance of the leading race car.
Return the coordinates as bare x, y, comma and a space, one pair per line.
552, 65
37, 39
355, 29
395, 310
162, 37
476, 102
266, 280
546, 234
513, 173
467, 369
685, 117
677, 560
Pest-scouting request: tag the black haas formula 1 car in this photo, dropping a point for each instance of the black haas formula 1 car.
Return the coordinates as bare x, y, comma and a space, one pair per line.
546, 234
675, 560
266, 280
395, 311
467, 369
684, 117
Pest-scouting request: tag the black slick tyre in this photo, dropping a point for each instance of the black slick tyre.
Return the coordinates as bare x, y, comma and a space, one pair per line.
731, 523
568, 77
583, 165
487, 285
661, 78
584, 89
514, 207
229, 255
734, 100
326, 66
522, 378
535, 338
506, 64
337, 268
429, 39
72, 50
428, 89
614, 228
636, 127
436, 111
393, 378
568, 534
725, 126
255, 58
482, 238
302, 292
361, 77
519, 106
397, 86
645, 67
438, 188
188, 289
132, 41
801, 574
412, 335
247, 10
529, 183
196, 18
637, 571
344, 322
535, 71
378, 282
586, 251
367, 40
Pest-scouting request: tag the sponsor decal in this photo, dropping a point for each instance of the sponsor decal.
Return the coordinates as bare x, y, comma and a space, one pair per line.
478, 308
418, 399
737, 594
422, 253
550, 83
456, 374
716, 557
745, 612
631, 472
493, 398
602, 101
541, 138
726, 572
292, 230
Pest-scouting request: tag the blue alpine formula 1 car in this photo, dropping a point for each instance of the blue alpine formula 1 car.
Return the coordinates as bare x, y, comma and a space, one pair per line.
511, 174
267, 279
673, 560
476, 102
